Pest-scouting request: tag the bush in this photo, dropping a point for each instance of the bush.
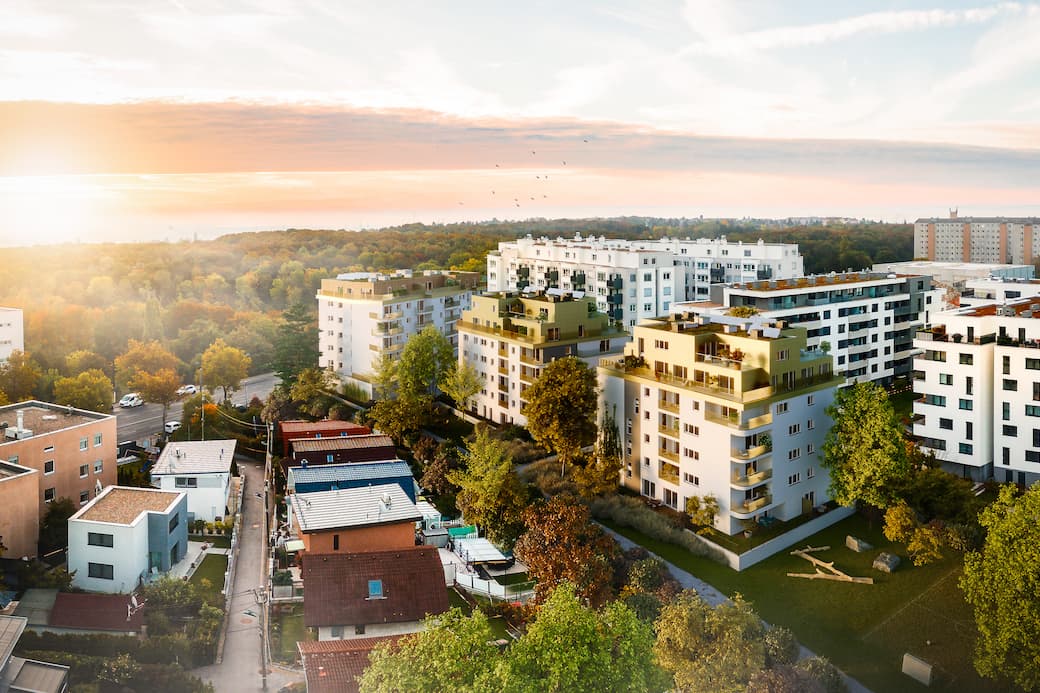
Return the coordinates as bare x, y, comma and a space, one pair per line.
781, 646
647, 607
821, 669
627, 511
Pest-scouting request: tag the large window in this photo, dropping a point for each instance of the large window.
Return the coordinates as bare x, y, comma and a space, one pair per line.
102, 571
97, 539
186, 482
965, 404
174, 521
48, 467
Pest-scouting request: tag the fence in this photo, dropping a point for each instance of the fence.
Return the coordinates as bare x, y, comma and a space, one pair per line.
229, 576
519, 592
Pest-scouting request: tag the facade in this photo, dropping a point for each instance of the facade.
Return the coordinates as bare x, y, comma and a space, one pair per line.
636, 280
977, 239
332, 477
125, 535
978, 378
371, 518
202, 470
364, 316
72, 449
509, 337
19, 675
326, 428
725, 407
983, 291
957, 274
20, 519
372, 594
373, 447
866, 320
12, 332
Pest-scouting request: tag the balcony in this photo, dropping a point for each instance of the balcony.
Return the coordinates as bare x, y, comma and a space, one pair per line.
504, 370
751, 453
669, 473
528, 375
386, 332
668, 454
724, 362
530, 359
386, 317
751, 480
669, 430
733, 420
668, 405
749, 507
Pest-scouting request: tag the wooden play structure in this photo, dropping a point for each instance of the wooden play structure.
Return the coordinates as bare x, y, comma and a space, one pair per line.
832, 574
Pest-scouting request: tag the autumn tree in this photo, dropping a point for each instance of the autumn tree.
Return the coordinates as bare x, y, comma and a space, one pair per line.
83, 360
425, 361
90, 390
19, 376
296, 343
225, 367
159, 387
461, 382
562, 544
491, 494
1000, 584
147, 357
312, 390
401, 418
561, 408
864, 449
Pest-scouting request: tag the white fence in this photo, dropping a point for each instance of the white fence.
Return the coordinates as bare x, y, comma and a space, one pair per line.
519, 592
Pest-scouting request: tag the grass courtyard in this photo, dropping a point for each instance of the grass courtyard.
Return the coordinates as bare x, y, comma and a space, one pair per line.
864, 629
212, 568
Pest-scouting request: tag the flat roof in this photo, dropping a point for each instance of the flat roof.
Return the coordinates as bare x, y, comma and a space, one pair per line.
42, 417
945, 264
354, 507
10, 470
300, 426
195, 457
819, 282
122, 505
36, 676
11, 628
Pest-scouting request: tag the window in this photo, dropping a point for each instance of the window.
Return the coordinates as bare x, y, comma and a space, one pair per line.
965, 448
98, 466
97, 440
794, 454
783, 354
811, 400
83, 443
690, 428
794, 478
102, 571
1033, 364
84, 496
335, 542
967, 359
691, 479
329, 457
794, 429
810, 449
175, 521
965, 404
1032, 410
810, 424
48, 495
84, 469
186, 482
336, 631
781, 408
97, 539
48, 467
946, 424
1006, 365
810, 473
1010, 385
375, 589
945, 379
1010, 431
1036, 392
969, 430
359, 629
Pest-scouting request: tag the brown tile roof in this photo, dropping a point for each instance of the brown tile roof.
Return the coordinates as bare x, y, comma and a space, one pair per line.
94, 612
374, 440
332, 666
290, 427
336, 586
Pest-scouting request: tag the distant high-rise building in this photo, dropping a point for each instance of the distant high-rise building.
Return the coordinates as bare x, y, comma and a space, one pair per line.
12, 336
977, 239
636, 280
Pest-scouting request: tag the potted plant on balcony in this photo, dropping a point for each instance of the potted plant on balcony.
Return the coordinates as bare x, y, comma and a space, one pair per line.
766, 441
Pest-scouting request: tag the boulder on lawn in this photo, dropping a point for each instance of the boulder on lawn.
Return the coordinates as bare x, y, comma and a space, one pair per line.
857, 545
886, 562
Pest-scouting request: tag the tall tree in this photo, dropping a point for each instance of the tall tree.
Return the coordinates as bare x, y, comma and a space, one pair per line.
296, 344
19, 376
426, 359
562, 544
54, 527
491, 495
312, 390
83, 360
90, 390
401, 418
159, 387
149, 357
864, 449
1000, 583
225, 367
461, 382
561, 408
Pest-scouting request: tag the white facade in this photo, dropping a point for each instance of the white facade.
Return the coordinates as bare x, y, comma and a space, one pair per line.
956, 274
200, 469
12, 334
979, 384
636, 280
364, 315
977, 239
983, 291
867, 320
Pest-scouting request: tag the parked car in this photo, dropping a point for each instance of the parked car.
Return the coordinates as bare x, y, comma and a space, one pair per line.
172, 426
187, 390
131, 399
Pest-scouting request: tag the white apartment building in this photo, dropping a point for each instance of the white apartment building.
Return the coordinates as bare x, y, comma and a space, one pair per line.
636, 280
202, 470
979, 384
977, 239
983, 291
722, 406
957, 274
508, 337
12, 333
865, 320
364, 315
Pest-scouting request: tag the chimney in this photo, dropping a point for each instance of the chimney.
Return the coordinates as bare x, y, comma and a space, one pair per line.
21, 419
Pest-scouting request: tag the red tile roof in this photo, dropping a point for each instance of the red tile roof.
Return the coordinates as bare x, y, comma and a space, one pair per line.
332, 666
375, 440
336, 586
289, 427
94, 612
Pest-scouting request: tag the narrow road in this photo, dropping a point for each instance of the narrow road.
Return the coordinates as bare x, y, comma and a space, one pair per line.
240, 668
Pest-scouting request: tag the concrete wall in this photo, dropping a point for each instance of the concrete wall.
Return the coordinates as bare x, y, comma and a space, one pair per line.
208, 500
19, 519
375, 630
377, 538
128, 555
161, 540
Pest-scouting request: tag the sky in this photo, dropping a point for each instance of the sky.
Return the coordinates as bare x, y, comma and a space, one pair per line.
138, 120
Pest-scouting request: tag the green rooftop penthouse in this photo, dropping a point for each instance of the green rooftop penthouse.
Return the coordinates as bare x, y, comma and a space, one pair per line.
553, 316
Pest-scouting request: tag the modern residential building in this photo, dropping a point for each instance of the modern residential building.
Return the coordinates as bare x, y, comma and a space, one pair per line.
310, 452
956, 274
733, 408
371, 518
363, 316
332, 477
374, 593
73, 450
202, 470
509, 337
124, 536
865, 320
977, 239
979, 292
20, 519
12, 333
20, 675
326, 428
638, 279
978, 378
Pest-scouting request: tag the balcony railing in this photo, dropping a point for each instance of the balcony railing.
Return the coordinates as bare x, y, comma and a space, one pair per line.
668, 454
751, 453
668, 405
669, 430
669, 473
734, 420
387, 332
748, 507
752, 479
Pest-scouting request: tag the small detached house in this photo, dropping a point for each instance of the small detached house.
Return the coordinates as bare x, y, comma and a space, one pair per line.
332, 477
326, 428
364, 448
375, 593
356, 519
202, 470
124, 536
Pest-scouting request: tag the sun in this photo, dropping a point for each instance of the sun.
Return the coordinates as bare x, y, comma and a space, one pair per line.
48, 209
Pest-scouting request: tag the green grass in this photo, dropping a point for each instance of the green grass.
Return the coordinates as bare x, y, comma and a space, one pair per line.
290, 630
212, 568
512, 579
497, 623
216, 541
864, 629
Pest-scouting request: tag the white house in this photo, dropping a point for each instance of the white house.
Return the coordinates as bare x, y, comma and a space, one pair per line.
202, 470
124, 535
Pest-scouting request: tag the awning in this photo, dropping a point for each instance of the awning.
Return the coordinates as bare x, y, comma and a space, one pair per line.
477, 550
462, 531
294, 545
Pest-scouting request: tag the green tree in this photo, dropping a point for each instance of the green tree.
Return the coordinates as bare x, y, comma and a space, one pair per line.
54, 528
159, 387
384, 377
490, 495
83, 360
900, 523
225, 367
425, 361
460, 383
296, 343
926, 544
702, 510
90, 390
401, 418
561, 408
1000, 583
563, 545
19, 376
864, 449
147, 357
312, 390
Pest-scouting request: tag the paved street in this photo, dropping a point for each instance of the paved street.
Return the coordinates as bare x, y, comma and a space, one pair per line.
240, 668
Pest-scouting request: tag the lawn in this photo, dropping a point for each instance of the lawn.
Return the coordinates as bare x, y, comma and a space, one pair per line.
287, 629
497, 623
212, 568
864, 629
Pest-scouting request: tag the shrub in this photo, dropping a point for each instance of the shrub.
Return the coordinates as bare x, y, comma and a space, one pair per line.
647, 607
781, 646
632, 512
821, 669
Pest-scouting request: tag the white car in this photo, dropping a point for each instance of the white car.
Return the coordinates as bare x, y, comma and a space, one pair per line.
187, 390
172, 426
131, 399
